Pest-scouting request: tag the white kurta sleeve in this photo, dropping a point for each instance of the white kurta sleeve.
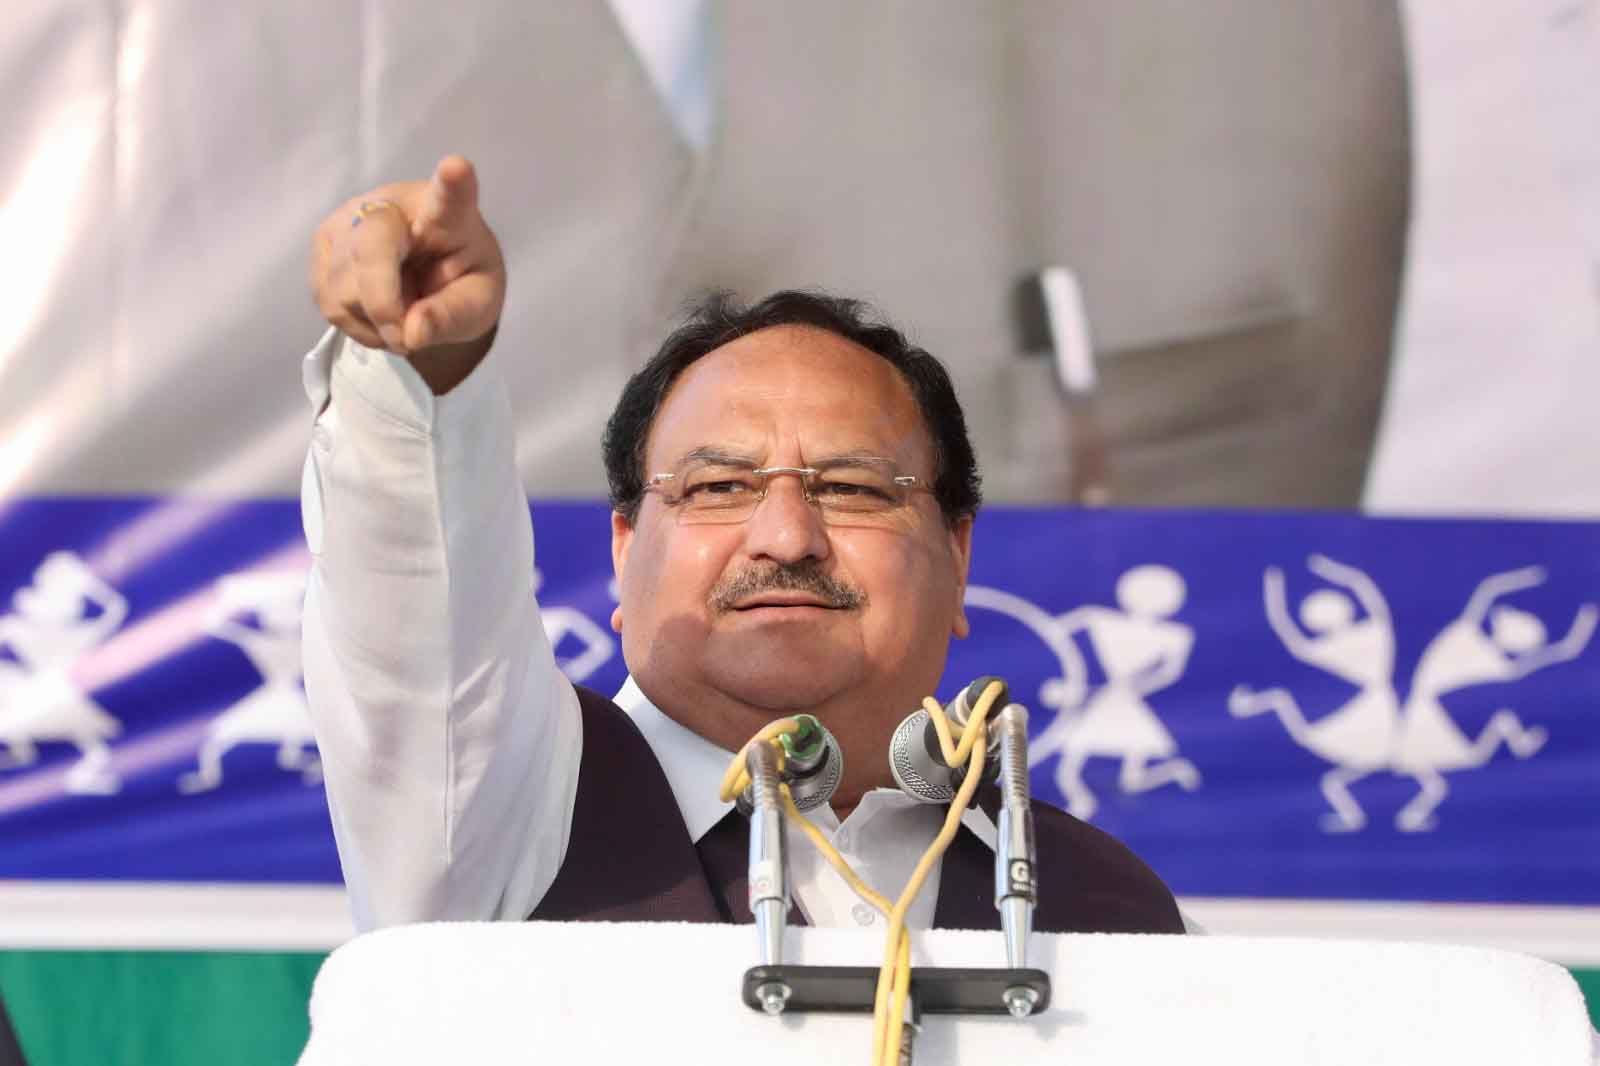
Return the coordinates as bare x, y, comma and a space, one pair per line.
449, 739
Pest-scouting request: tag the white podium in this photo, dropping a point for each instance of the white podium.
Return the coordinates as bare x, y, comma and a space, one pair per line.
578, 993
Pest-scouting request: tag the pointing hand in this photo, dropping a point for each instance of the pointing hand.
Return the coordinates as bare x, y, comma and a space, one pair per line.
412, 265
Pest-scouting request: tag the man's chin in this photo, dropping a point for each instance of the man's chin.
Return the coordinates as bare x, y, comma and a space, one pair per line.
785, 663
784, 691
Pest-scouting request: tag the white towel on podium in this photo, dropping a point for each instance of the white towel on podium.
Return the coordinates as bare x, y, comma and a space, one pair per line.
588, 992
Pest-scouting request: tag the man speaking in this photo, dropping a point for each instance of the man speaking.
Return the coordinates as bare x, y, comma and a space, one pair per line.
793, 494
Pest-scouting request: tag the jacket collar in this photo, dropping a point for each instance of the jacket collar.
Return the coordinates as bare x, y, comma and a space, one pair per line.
693, 765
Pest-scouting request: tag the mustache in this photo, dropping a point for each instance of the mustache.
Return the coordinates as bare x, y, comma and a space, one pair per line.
803, 576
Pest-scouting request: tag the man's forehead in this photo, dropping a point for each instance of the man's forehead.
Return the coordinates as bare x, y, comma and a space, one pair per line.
791, 349
798, 381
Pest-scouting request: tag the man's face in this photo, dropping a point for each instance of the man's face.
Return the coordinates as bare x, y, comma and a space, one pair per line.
708, 632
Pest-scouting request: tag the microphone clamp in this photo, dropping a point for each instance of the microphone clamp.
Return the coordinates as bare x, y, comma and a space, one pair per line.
812, 767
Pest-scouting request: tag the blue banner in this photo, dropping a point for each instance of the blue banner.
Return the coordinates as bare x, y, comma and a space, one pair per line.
1287, 705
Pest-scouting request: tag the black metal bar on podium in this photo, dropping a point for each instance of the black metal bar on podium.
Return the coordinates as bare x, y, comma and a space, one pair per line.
937, 989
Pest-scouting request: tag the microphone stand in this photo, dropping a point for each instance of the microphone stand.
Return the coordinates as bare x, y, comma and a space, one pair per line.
769, 873
775, 987
1015, 889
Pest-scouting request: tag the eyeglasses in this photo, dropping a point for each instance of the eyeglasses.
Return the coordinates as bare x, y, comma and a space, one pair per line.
853, 490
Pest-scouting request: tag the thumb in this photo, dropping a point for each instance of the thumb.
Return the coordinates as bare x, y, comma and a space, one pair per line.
464, 310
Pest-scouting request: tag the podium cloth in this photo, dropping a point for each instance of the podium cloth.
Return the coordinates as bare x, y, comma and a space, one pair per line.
665, 992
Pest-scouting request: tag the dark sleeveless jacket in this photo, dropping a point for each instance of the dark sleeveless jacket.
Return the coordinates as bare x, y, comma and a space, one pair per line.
630, 859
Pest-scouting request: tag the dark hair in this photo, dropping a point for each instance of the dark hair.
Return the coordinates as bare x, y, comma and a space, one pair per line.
720, 318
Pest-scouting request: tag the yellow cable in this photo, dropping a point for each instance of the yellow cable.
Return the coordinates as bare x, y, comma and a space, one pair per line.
902, 977
894, 977
902, 956
893, 992
835, 860
737, 777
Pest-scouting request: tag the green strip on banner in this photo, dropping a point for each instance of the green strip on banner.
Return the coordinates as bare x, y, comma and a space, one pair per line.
159, 1008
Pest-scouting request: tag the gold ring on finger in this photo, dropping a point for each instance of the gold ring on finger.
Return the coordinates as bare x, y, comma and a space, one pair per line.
370, 206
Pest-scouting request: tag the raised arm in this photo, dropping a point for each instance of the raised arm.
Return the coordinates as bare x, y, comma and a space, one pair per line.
65, 569
449, 740
1567, 648
1276, 600
113, 604
1053, 631
1497, 585
1360, 585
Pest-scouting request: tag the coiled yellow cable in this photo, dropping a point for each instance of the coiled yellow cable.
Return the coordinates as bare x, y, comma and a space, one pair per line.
737, 777
894, 977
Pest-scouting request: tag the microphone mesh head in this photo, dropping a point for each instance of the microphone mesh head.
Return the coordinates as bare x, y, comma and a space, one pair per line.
911, 765
817, 787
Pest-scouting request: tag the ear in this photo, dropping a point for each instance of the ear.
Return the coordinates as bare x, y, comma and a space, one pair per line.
961, 558
621, 539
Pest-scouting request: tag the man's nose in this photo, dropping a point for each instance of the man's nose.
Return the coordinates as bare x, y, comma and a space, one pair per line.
786, 527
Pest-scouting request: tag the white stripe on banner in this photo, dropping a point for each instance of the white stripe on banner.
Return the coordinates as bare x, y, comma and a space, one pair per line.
222, 917
1566, 935
135, 915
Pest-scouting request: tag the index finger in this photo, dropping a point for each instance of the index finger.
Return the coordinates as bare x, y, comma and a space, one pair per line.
451, 197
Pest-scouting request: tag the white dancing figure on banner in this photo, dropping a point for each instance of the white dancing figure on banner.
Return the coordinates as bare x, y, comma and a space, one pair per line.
1142, 649
1464, 653
260, 614
1357, 737
561, 622
1373, 731
65, 612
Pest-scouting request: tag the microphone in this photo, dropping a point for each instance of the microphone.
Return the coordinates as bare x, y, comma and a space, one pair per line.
917, 761
1015, 888
812, 766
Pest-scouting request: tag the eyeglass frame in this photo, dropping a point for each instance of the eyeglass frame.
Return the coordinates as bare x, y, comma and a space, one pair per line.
910, 482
